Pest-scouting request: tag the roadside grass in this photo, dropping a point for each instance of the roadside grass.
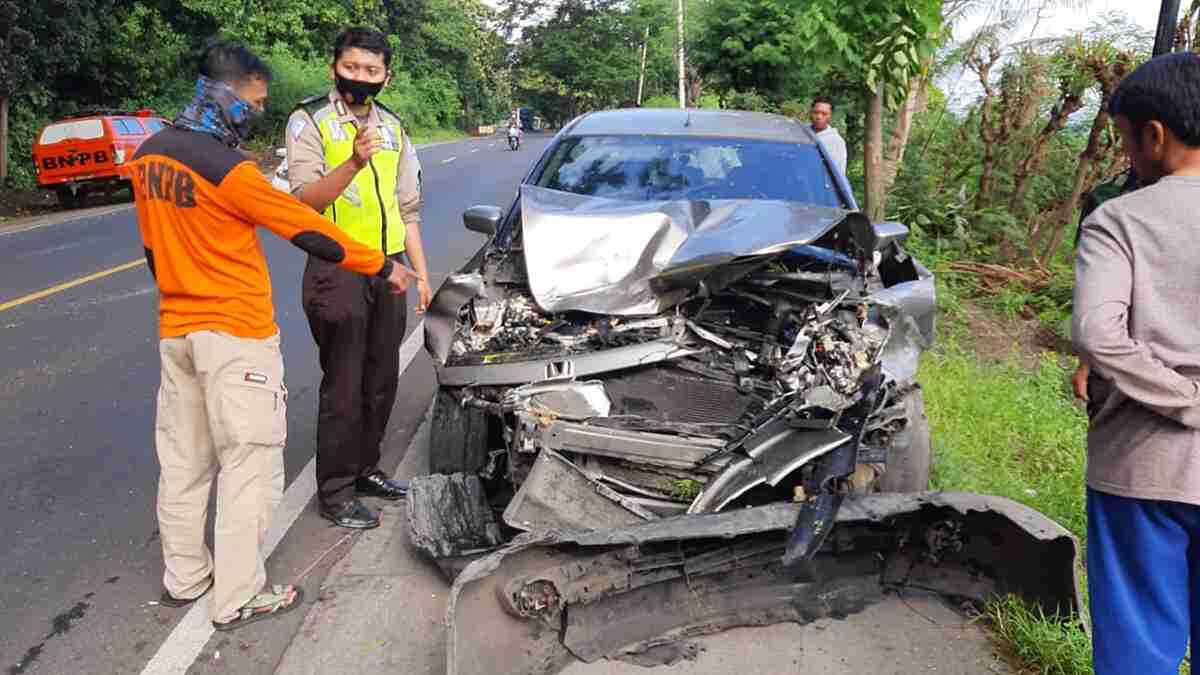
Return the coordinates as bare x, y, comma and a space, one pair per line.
1008, 430
1005, 430
1047, 645
422, 136
1002, 429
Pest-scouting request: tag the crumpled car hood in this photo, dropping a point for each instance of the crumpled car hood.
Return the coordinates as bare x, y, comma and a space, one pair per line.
600, 255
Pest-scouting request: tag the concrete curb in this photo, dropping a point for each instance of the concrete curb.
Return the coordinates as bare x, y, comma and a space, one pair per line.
379, 609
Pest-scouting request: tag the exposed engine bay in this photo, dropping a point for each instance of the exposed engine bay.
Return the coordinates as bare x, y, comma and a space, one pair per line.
774, 367
785, 341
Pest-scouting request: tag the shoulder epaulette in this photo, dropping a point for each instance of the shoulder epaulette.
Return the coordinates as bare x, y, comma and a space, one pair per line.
313, 103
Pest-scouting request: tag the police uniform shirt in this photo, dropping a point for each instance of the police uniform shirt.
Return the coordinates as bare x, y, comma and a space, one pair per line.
306, 154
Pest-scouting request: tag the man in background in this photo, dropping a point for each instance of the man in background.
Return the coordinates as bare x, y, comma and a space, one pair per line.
820, 115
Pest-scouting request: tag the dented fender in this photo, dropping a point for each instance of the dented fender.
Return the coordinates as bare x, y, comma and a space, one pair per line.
454, 294
552, 597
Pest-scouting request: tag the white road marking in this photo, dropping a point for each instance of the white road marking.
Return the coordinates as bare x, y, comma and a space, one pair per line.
179, 651
447, 161
100, 300
27, 224
475, 150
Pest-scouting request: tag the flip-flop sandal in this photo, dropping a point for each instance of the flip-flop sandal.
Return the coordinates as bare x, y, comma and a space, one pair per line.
171, 601
264, 606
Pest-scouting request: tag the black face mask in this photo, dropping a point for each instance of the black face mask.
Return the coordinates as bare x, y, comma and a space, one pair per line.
356, 91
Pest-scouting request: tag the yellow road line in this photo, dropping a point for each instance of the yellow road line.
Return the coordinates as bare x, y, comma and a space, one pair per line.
70, 284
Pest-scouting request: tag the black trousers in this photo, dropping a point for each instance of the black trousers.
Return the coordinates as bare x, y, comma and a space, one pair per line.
358, 325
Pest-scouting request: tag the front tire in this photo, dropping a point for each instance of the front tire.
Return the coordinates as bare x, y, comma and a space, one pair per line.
67, 198
910, 453
458, 436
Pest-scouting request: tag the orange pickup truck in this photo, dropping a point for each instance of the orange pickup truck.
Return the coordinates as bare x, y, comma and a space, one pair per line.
84, 153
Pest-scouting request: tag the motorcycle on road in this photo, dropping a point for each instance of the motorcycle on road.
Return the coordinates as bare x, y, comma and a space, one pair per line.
514, 139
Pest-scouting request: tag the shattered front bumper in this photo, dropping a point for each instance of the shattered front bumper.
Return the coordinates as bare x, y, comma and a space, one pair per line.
637, 592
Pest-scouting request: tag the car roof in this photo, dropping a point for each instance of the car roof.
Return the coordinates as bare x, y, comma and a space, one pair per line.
105, 115
675, 122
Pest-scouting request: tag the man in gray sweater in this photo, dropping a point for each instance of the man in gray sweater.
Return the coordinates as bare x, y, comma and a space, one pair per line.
1137, 323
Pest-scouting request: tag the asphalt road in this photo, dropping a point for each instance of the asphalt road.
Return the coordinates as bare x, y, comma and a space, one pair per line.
80, 561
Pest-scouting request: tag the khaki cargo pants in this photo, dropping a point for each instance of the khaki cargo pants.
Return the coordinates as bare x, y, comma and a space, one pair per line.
222, 414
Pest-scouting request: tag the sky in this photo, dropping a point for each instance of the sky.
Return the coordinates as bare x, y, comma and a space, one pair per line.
961, 88
1063, 21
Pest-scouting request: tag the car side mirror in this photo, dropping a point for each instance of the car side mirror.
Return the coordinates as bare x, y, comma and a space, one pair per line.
888, 233
482, 219
863, 234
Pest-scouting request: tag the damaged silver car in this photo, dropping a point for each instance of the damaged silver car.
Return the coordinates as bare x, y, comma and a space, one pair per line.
681, 335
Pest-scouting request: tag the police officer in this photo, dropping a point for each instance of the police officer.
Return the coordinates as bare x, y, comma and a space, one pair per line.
349, 158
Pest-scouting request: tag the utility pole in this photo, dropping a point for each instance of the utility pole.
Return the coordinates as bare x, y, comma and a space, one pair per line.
682, 76
1168, 17
642, 72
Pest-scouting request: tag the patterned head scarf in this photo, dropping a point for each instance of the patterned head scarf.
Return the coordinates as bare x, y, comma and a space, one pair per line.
219, 111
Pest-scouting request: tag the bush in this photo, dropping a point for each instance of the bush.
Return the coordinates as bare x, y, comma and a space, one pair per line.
748, 100
429, 103
24, 123
295, 80
661, 101
176, 94
795, 109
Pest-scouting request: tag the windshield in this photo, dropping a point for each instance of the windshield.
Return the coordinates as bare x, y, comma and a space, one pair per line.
83, 130
653, 168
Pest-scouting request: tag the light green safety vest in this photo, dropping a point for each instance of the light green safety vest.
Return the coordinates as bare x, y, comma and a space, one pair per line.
367, 209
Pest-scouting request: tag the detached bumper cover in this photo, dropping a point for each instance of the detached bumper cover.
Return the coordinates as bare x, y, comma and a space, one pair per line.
633, 592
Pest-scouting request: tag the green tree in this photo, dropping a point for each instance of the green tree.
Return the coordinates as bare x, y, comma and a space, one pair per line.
876, 50
13, 40
744, 45
584, 57
125, 65
307, 28
462, 48
32, 78
887, 48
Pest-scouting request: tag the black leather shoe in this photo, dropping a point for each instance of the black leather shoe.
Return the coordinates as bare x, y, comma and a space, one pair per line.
352, 514
379, 485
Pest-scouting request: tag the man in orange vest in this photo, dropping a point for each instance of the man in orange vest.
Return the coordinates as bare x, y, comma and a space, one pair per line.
222, 402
